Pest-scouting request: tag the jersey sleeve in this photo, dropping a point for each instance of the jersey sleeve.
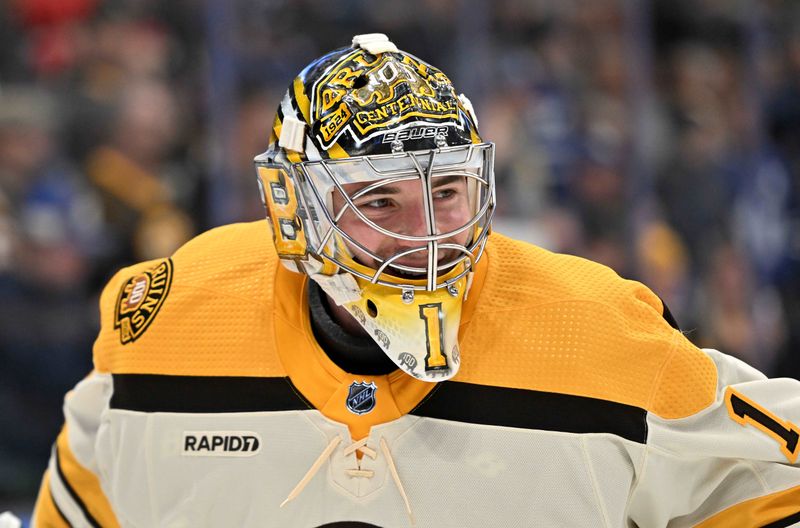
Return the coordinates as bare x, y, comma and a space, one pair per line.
733, 463
70, 493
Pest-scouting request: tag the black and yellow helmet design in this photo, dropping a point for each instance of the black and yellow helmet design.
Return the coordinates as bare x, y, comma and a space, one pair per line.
356, 101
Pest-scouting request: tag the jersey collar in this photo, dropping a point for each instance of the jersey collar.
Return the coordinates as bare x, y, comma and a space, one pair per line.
325, 385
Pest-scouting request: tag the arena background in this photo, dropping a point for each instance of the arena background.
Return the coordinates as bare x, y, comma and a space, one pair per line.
659, 137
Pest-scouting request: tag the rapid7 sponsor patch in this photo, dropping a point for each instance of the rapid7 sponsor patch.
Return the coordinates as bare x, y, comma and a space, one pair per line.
221, 443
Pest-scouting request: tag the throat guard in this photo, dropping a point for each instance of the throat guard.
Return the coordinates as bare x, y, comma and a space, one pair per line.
417, 329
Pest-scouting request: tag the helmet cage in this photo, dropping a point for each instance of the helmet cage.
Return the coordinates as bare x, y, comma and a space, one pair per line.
316, 181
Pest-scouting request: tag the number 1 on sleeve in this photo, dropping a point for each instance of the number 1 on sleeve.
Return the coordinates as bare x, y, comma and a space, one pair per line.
746, 412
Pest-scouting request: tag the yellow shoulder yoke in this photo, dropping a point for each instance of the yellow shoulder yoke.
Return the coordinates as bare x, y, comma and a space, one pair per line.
563, 324
204, 311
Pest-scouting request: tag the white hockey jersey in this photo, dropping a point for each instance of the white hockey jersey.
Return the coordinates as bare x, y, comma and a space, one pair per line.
576, 405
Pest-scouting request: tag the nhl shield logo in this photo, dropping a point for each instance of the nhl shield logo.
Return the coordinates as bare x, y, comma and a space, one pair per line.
361, 397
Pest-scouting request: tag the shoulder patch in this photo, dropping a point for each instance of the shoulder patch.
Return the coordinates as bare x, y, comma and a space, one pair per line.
139, 300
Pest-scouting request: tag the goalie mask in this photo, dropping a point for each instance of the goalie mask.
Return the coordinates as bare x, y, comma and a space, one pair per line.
378, 186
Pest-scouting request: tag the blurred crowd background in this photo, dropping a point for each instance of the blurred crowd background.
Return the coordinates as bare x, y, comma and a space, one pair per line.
659, 137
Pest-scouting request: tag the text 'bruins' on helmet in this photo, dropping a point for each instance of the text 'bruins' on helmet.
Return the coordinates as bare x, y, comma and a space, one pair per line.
363, 121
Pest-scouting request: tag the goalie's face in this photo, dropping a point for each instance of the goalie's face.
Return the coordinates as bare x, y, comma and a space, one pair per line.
402, 207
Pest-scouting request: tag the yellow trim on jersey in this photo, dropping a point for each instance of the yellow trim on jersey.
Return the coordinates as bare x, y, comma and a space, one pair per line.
687, 381
216, 320
322, 382
532, 320
45, 513
757, 512
319, 379
84, 483
562, 324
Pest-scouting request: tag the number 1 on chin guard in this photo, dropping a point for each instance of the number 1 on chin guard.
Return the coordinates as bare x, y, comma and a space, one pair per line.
431, 314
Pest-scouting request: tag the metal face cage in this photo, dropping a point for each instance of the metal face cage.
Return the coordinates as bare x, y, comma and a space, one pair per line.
315, 183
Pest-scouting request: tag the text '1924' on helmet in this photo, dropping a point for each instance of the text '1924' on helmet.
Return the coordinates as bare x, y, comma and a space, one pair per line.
356, 123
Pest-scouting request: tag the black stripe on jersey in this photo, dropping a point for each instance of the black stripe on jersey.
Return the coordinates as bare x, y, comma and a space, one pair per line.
348, 524
205, 394
669, 317
75, 497
58, 510
530, 409
785, 522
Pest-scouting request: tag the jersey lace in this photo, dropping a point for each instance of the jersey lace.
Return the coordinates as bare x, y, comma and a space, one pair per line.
356, 447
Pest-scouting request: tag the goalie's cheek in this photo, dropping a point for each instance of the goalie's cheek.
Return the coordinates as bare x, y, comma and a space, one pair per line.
362, 233
452, 217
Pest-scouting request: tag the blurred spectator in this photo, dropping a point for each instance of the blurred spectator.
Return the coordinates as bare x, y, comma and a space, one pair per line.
253, 127
737, 316
663, 263
136, 178
47, 313
53, 30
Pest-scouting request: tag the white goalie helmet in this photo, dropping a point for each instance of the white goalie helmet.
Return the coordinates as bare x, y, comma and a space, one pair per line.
359, 128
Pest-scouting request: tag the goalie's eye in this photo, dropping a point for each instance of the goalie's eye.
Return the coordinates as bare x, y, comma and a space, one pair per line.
378, 203
444, 194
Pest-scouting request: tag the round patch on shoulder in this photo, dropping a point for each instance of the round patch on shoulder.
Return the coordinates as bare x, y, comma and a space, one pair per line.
140, 299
